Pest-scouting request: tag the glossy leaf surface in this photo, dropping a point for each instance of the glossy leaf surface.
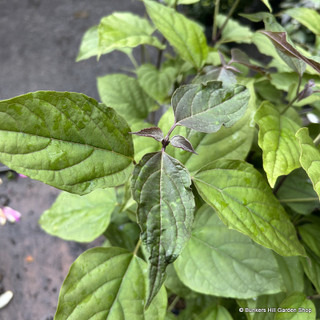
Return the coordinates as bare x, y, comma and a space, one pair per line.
80, 218
108, 284
277, 141
206, 107
66, 140
183, 34
310, 158
161, 187
245, 202
224, 262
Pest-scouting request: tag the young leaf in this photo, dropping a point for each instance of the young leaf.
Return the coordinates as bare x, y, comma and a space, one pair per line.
69, 141
156, 83
245, 202
183, 34
126, 96
277, 141
80, 218
223, 262
309, 158
266, 2
161, 187
181, 142
206, 107
153, 132
108, 283
295, 301
125, 30
279, 39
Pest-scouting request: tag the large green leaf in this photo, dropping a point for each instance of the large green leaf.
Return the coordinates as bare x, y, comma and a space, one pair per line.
311, 266
108, 284
310, 235
156, 83
306, 16
297, 193
214, 313
223, 262
66, 140
183, 34
80, 218
302, 308
309, 158
234, 31
245, 203
228, 143
124, 94
125, 30
277, 141
161, 187
206, 107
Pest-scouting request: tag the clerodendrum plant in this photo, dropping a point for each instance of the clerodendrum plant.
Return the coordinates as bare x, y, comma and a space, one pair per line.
212, 225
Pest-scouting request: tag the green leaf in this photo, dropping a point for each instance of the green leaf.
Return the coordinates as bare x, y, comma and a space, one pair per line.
215, 313
66, 140
123, 30
304, 308
187, 1
309, 158
245, 202
310, 236
183, 34
156, 83
161, 187
297, 193
277, 141
206, 107
181, 142
89, 45
311, 266
223, 262
266, 2
310, 18
124, 94
152, 132
233, 31
108, 283
80, 218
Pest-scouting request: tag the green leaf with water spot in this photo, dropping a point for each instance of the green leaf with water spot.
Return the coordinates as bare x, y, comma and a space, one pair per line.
80, 218
183, 34
230, 143
66, 140
206, 107
309, 158
125, 30
296, 300
161, 187
223, 262
277, 141
108, 284
126, 96
245, 202
156, 83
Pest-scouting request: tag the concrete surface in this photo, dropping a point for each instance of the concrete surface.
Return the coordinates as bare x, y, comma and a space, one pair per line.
39, 40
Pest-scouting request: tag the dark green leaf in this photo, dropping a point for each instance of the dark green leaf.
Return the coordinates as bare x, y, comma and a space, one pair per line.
223, 262
311, 266
183, 34
66, 140
124, 94
215, 313
108, 284
80, 218
245, 203
181, 142
161, 187
153, 132
206, 107
310, 236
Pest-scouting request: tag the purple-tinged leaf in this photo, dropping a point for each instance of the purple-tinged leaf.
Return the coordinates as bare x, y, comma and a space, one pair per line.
181, 142
279, 40
307, 90
153, 132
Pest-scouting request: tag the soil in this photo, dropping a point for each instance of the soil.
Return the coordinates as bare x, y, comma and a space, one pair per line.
39, 42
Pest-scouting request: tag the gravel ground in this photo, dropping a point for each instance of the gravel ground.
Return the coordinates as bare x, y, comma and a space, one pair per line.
39, 42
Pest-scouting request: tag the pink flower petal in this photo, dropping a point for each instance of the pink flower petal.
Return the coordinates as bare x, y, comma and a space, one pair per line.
3, 218
11, 214
22, 175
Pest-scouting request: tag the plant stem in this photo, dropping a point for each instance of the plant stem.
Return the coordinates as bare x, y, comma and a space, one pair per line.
160, 52
316, 141
170, 131
143, 54
298, 200
215, 15
295, 98
230, 13
137, 247
173, 303
133, 60
316, 296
